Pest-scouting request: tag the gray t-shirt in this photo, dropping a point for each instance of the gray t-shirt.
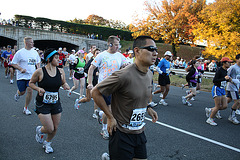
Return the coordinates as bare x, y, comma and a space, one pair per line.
130, 89
234, 73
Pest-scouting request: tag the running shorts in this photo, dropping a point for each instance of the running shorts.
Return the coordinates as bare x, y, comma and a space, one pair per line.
217, 91
22, 85
127, 146
163, 79
78, 76
233, 95
71, 66
107, 99
192, 85
48, 108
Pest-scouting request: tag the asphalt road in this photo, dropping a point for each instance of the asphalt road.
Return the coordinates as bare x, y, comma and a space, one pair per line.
181, 132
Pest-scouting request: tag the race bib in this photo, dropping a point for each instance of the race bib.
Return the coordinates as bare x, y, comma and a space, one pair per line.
137, 119
60, 61
80, 70
223, 84
31, 61
50, 97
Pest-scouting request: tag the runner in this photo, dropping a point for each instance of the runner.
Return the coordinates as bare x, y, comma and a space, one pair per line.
11, 68
5, 56
48, 106
107, 62
191, 78
71, 60
232, 89
26, 60
61, 58
78, 76
163, 69
130, 95
95, 80
218, 91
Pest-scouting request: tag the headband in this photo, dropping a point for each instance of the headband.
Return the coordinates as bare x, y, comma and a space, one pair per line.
51, 54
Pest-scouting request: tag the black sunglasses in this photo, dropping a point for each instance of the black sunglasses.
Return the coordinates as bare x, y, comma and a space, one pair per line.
149, 48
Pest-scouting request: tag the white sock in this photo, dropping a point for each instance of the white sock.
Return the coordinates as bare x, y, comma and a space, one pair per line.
101, 113
104, 126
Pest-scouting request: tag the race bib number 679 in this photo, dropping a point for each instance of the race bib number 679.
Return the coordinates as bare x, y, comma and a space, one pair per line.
50, 97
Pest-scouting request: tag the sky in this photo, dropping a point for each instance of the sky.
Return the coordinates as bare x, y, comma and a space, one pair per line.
123, 10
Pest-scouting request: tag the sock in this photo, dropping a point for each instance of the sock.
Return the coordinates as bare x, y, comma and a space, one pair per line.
104, 126
233, 112
100, 113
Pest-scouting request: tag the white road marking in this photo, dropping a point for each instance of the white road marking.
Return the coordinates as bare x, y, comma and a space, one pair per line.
197, 136
191, 134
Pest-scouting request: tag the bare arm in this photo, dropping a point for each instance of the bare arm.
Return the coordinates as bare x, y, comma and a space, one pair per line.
19, 68
90, 76
36, 77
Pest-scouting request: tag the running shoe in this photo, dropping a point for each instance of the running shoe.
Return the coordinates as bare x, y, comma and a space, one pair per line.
161, 95
163, 102
192, 99
105, 156
26, 111
152, 104
16, 97
208, 112
218, 115
104, 134
94, 116
76, 105
183, 86
6, 77
211, 122
70, 78
69, 93
39, 135
11, 81
237, 112
152, 93
47, 147
233, 119
184, 101
189, 104
99, 118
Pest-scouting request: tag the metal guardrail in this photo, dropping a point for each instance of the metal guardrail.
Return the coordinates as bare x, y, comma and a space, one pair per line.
183, 72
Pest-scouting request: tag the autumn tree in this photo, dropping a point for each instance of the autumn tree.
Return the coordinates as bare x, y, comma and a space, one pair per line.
220, 27
170, 20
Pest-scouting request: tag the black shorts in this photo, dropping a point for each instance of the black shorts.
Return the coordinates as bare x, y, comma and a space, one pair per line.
60, 66
163, 79
127, 146
78, 75
192, 85
233, 95
107, 99
48, 108
71, 66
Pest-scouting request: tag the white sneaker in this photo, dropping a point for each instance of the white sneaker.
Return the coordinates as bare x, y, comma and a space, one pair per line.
208, 112
237, 112
104, 134
161, 95
152, 93
184, 101
99, 118
94, 116
211, 122
11, 81
189, 104
192, 99
76, 105
233, 119
26, 111
39, 135
218, 115
47, 147
183, 86
69, 93
152, 104
163, 102
6, 77
105, 156
16, 97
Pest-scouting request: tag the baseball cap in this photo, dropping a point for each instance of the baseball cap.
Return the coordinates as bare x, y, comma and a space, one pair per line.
226, 59
60, 49
130, 51
73, 50
167, 53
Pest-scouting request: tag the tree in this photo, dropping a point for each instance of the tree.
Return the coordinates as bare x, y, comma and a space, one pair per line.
170, 20
220, 27
96, 20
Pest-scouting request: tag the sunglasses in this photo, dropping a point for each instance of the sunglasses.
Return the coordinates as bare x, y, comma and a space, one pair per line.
149, 48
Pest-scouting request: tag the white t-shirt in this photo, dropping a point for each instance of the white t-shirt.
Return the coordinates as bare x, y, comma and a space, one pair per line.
26, 59
72, 58
89, 55
108, 63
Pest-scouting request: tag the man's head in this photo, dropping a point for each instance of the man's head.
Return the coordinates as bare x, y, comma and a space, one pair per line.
168, 55
28, 41
145, 50
226, 62
60, 50
113, 44
9, 47
92, 48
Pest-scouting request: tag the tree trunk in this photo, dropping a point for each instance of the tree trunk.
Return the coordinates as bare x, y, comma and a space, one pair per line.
174, 49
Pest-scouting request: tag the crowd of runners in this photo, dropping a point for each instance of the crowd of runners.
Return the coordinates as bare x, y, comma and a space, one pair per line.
121, 85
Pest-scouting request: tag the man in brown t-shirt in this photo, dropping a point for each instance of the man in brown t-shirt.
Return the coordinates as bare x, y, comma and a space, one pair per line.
130, 89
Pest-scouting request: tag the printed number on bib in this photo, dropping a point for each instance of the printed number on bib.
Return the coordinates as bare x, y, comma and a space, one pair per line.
80, 70
137, 119
31, 61
50, 97
223, 84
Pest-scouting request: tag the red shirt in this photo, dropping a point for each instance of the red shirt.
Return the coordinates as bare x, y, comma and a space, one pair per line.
61, 57
125, 55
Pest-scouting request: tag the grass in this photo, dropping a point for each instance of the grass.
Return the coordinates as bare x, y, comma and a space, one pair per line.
178, 80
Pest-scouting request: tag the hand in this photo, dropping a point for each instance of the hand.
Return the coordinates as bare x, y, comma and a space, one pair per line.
111, 125
124, 65
41, 91
23, 70
65, 86
90, 86
153, 114
227, 77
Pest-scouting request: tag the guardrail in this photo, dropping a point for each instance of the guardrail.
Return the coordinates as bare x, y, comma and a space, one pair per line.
183, 72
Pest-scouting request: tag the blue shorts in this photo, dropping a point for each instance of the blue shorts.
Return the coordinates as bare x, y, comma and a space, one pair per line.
233, 95
107, 99
22, 85
217, 91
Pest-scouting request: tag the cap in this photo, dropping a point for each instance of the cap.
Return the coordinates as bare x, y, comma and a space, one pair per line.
81, 51
226, 59
167, 53
73, 51
130, 51
60, 49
